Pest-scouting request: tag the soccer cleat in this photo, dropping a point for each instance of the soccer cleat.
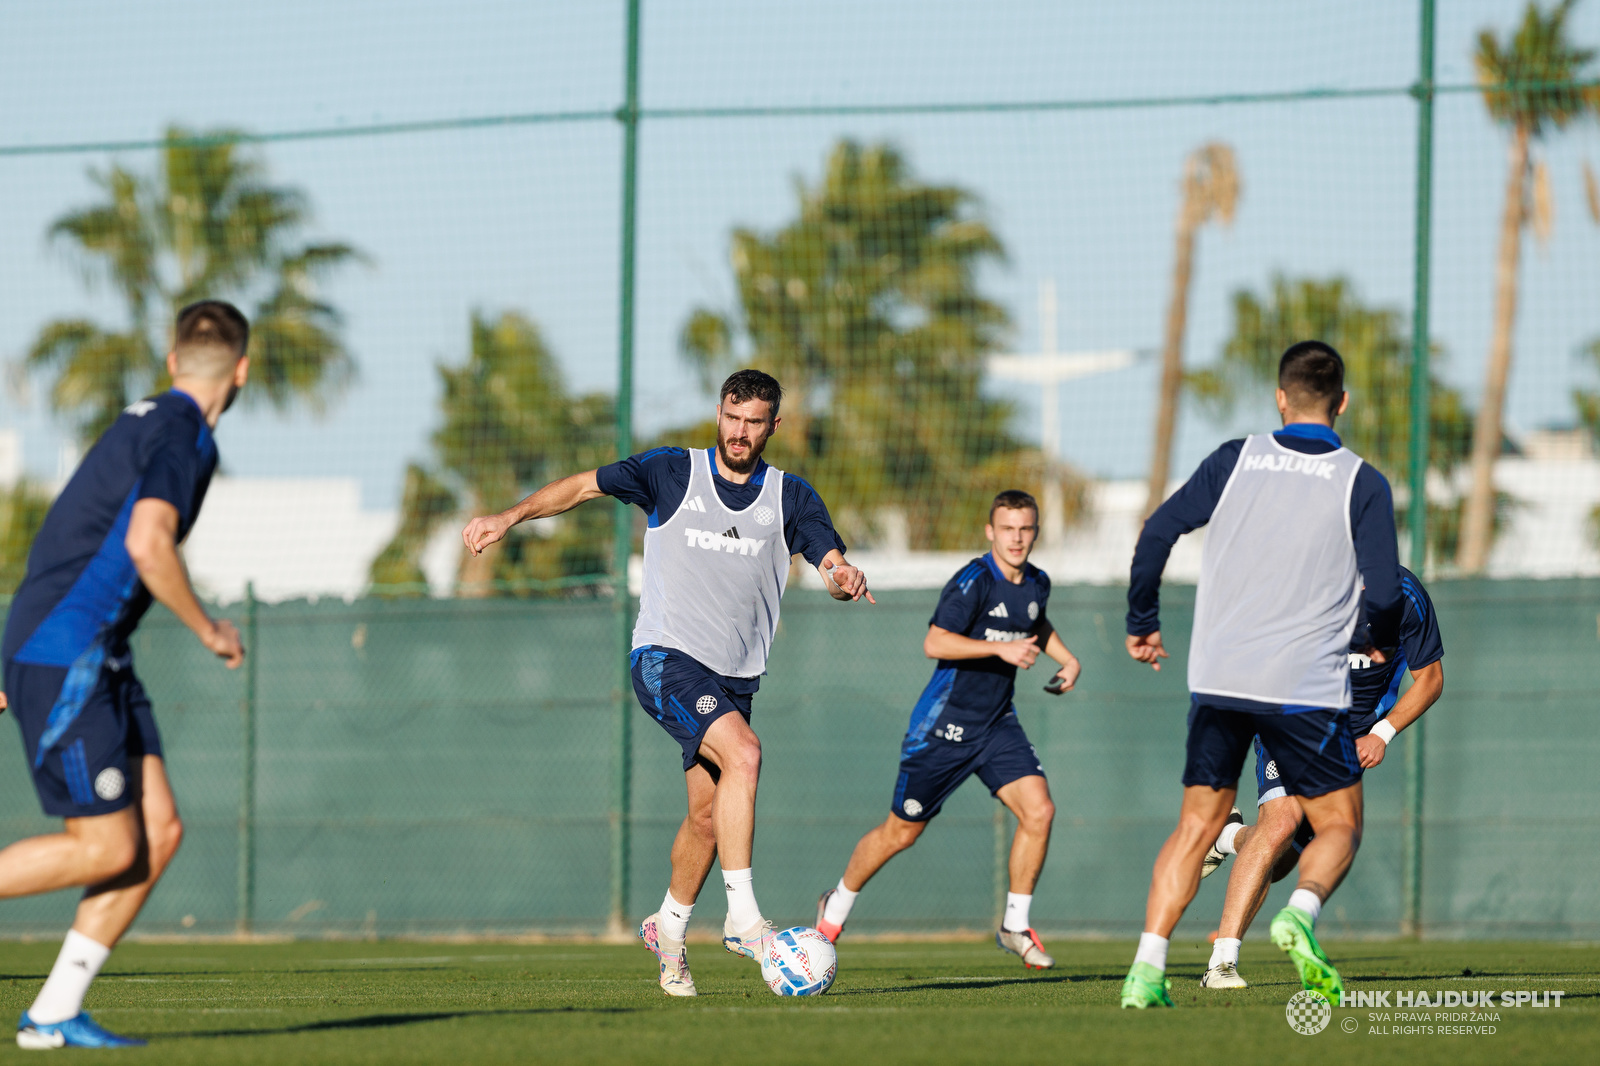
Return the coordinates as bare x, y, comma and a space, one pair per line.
825, 927
79, 1030
1291, 931
1223, 975
675, 979
1026, 944
752, 943
1145, 986
1215, 858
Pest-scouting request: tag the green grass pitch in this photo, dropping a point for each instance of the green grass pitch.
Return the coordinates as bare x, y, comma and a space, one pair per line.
947, 1002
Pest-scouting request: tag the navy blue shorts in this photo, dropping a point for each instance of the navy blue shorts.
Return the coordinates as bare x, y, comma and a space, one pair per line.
94, 738
932, 768
686, 697
1313, 751
1269, 786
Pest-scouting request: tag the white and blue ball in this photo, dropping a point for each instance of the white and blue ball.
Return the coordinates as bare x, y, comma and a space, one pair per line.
799, 962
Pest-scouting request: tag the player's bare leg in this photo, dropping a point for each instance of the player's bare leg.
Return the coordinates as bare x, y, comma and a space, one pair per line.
87, 850
1029, 799
1336, 820
880, 844
734, 749
1176, 876
1257, 849
693, 850
109, 907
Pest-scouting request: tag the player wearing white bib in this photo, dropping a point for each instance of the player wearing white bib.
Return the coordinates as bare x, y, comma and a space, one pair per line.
722, 527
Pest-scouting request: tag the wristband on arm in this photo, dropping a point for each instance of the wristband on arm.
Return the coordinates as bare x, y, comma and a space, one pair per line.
1383, 731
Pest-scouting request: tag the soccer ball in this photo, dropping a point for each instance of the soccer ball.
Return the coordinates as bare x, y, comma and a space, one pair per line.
800, 962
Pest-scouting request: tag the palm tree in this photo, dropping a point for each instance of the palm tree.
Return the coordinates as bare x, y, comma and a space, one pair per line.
866, 307
206, 224
510, 425
1377, 356
1210, 190
1529, 85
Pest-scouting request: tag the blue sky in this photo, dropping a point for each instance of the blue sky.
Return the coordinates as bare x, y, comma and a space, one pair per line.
526, 217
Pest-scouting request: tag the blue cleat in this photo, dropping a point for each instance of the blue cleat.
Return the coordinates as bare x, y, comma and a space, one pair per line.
78, 1031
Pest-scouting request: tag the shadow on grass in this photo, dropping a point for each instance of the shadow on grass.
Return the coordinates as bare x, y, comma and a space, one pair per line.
390, 1021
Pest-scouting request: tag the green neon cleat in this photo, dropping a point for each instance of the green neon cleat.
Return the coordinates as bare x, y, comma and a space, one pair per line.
1291, 931
1145, 986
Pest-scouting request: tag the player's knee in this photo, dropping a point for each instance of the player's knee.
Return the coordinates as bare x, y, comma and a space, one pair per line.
164, 836
902, 834
1038, 817
1195, 828
109, 855
744, 760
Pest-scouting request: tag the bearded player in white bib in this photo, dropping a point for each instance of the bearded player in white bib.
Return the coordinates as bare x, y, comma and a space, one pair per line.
722, 528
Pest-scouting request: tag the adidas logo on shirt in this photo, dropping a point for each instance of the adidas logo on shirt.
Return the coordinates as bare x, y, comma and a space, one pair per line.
696, 504
999, 611
732, 532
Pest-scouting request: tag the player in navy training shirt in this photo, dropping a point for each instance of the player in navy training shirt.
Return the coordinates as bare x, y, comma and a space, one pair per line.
990, 620
108, 547
1273, 844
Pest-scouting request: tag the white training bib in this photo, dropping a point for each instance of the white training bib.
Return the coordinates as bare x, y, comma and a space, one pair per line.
713, 577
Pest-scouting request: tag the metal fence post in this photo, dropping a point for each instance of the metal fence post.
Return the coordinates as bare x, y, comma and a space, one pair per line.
246, 901
622, 533
1411, 822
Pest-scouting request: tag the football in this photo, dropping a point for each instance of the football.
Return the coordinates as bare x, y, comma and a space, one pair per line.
800, 962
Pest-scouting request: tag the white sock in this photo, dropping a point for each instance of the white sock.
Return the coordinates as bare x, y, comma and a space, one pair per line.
1226, 949
1016, 919
62, 995
1306, 900
1225, 841
743, 911
673, 920
1152, 949
838, 909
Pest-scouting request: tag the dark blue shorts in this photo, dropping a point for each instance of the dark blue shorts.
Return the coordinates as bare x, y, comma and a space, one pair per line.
686, 697
932, 768
1312, 751
96, 737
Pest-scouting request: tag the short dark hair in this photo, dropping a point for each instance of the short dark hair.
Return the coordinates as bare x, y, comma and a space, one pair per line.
746, 385
207, 322
1311, 372
1014, 500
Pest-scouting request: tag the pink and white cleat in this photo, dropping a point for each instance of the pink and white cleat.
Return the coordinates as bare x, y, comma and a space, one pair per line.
752, 943
1025, 944
825, 927
674, 957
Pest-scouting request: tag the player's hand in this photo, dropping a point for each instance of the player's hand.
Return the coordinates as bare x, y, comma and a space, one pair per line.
1068, 676
847, 579
1376, 655
223, 642
1369, 751
1147, 649
3, 703
1019, 653
484, 531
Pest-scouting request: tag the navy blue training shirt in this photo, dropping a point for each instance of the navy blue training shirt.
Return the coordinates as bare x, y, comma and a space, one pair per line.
967, 696
1371, 529
657, 480
1374, 687
81, 591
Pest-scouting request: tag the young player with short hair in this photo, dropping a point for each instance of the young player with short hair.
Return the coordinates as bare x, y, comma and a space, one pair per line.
1296, 524
989, 622
107, 548
1378, 712
722, 528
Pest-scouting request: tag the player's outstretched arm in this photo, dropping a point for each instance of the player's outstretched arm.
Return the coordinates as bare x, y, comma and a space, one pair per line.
843, 581
558, 497
1427, 684
152, 544
1057, 649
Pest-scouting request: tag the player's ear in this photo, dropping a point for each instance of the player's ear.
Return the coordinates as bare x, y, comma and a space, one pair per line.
774, 428
1344, 402
988, 532
241, 371
172, 364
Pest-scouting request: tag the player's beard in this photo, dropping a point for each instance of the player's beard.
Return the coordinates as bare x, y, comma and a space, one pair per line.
748, 463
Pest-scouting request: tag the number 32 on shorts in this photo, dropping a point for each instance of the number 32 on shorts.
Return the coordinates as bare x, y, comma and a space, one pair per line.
952, 732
